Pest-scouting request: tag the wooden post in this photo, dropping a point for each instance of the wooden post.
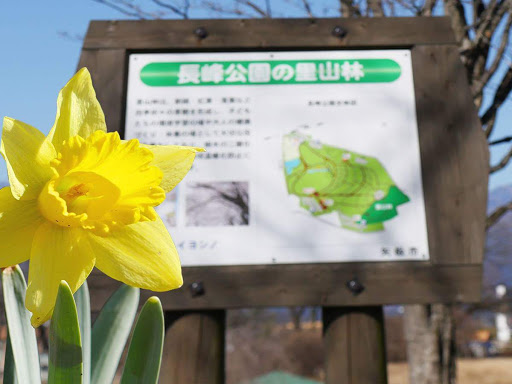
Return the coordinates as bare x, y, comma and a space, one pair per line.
194, 347
355, 348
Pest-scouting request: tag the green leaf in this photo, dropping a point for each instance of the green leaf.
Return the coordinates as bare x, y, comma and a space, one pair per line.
145, 352
9, 367
65, 355
110, 332
83, 308
22, 334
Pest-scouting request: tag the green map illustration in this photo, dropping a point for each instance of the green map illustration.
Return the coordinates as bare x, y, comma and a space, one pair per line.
330, 179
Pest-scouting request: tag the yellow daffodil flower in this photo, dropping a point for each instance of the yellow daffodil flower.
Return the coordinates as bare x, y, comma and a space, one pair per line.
82, 197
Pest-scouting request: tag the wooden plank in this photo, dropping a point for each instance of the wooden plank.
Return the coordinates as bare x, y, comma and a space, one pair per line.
454, 156
320, 284
268, 33
194, 348
355, 346
108, 71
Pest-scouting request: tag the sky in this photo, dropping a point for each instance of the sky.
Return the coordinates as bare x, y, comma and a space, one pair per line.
36, 61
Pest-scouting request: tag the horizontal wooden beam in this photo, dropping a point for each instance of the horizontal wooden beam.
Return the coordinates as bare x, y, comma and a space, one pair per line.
318, 284
265, 33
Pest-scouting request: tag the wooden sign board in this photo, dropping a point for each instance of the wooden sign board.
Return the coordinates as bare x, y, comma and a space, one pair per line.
452, 150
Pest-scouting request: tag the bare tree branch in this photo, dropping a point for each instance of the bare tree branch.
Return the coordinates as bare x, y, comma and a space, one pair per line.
126, 8
506, 139
455, 10
260, 11
478, 9
489, 126
428, 7
376, 8
497, 214
391, 5
182, 12
307, 8
349, 9
482, 22
490, 20
468, 54
477, 57
215, 7
503, 162
499, 97
482, 45
478, 85
71, 37
268, 8
237, 11
410, 6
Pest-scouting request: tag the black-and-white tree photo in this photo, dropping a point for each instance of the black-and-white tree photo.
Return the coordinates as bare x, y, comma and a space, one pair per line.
217, 203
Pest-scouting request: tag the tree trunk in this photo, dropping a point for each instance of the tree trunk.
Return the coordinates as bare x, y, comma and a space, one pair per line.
430, 335
296, 315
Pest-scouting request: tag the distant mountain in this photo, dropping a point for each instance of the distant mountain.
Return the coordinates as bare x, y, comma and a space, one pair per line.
498, 248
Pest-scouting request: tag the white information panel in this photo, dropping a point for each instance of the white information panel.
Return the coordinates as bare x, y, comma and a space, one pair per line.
311, 157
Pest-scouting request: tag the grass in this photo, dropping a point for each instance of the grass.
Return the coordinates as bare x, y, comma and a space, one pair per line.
469, 371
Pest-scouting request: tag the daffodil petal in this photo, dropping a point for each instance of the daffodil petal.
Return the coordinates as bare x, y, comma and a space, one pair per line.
78, 110
141, 255
174, 161
28, 156
58, 253
19, 221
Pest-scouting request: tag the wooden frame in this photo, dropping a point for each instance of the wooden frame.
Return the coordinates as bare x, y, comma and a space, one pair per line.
453, 148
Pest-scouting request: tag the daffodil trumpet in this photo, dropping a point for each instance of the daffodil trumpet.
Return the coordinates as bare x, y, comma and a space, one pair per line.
82, 197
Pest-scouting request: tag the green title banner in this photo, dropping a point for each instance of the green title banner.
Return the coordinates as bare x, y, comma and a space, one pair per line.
270, 72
